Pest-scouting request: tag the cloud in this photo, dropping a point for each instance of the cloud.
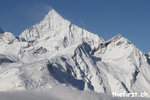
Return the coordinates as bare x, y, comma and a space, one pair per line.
83, 24
34, 11
39, 10
59, 93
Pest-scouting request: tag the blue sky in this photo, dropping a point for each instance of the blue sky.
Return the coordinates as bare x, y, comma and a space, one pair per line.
107, 18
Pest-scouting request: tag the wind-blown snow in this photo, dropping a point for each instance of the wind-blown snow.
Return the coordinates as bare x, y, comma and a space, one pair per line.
1, 31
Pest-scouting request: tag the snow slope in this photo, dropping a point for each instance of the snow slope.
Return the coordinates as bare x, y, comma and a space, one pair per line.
54, 52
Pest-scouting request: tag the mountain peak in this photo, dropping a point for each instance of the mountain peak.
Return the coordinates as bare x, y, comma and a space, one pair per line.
52, 22
53, 14
115, 38
1, 31
118, 40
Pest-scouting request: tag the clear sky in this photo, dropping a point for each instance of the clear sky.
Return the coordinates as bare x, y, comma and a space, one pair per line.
107, 18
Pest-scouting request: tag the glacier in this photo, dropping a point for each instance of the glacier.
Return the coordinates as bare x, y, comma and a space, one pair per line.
54, 52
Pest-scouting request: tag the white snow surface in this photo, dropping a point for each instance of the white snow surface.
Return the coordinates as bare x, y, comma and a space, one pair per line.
54, 52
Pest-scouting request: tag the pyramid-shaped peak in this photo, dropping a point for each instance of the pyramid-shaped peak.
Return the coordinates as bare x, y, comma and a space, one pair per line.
54, 25
1, 31
51, 22
53, 13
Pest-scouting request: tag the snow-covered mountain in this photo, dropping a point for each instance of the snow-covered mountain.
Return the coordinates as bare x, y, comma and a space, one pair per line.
56, 52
